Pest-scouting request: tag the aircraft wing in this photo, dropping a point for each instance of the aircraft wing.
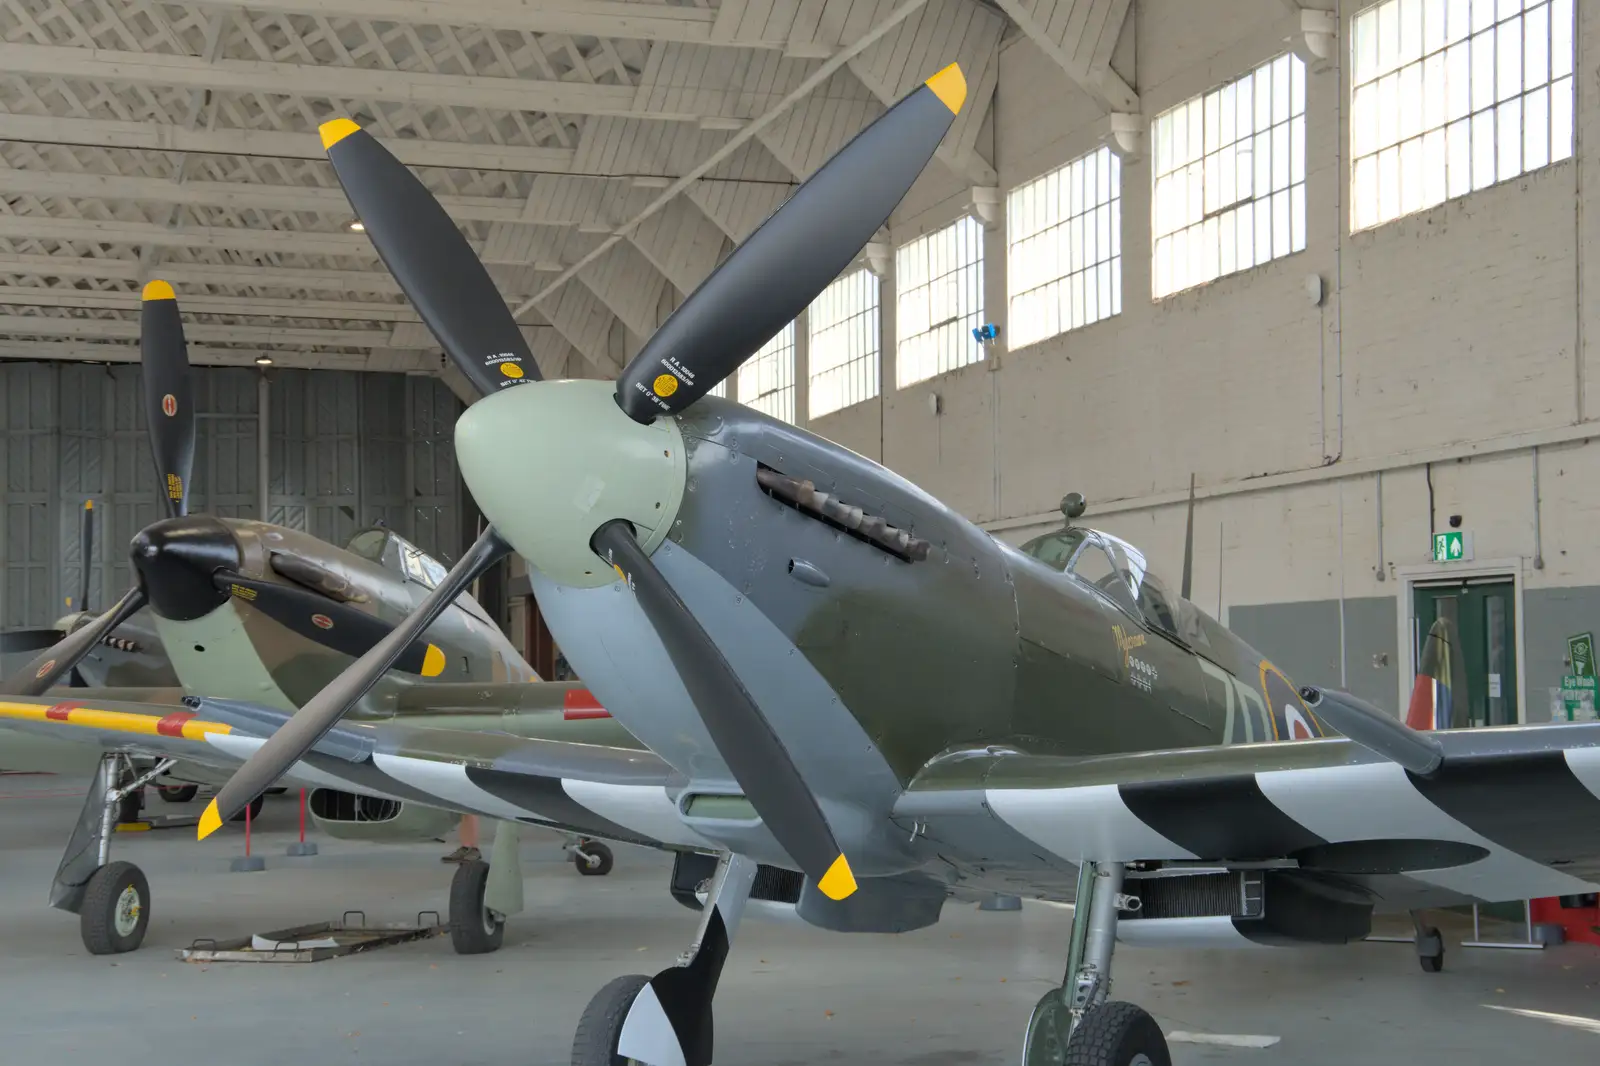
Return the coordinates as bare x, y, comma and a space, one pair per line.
1511, 813
619, 793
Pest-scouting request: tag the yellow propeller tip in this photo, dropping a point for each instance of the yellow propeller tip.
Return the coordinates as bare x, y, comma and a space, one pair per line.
950, 86
88, 505
159, 290
838, 882
432, 662
210, 821
335, 131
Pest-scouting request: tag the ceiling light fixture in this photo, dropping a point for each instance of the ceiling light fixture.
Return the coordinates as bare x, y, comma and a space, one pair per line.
263, 360
358, 226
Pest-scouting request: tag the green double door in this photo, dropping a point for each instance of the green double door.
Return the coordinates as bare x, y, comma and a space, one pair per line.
1483, 612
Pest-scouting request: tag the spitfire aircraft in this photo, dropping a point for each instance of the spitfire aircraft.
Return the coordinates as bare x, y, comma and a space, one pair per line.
859, 705
244, 610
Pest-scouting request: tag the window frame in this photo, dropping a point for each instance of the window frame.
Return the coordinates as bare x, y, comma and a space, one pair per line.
967, 274
784, 394
1267, 150
865, 368
1083, 238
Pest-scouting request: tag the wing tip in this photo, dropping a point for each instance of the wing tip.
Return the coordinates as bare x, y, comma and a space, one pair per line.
335, 130
950, 86
158, 290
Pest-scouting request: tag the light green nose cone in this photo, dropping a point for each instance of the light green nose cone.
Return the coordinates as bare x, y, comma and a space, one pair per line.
550, 463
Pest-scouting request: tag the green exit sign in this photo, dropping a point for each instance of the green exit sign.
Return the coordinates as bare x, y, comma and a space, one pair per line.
1452, 547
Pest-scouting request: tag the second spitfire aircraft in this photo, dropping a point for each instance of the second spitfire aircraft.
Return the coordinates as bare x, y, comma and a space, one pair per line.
851, 690
254, 612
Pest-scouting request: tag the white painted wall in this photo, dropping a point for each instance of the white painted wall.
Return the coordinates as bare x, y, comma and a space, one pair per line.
1462, 343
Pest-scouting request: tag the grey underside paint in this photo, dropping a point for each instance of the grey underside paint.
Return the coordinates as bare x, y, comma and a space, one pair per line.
1550, 616
1302, 640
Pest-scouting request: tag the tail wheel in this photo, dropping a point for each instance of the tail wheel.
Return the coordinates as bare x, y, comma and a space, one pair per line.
116, 909
593, 859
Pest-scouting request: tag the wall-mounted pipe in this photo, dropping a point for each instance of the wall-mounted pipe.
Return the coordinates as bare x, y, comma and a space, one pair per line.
1538, 532
1382, 576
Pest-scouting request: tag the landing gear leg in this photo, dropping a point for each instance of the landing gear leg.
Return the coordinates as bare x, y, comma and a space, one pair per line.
111, 899
667, 1018
1074, 1025
1430, 944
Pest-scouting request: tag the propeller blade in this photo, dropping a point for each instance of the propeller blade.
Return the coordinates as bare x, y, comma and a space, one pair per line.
1188, 545
297, 736
168, 395
328, 622
54, 663
20, 640
743, 737
793, 256
88, 554
431, 260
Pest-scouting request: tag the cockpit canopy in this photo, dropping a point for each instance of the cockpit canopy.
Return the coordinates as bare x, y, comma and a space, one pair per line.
1118, 572
395, 553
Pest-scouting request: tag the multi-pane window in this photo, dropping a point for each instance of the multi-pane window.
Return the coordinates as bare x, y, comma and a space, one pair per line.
719, 389
1450, 96
844, 343
940, 280
1064, 232
1230, 177
766, 380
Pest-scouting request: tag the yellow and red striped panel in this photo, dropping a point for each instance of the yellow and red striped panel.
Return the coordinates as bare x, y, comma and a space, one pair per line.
178, 724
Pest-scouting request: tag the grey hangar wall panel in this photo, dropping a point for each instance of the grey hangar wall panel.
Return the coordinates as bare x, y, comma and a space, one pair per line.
347, 450
1302, 640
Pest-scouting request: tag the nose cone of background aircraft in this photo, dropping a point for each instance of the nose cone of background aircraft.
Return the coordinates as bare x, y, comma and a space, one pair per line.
550, 463
177, 557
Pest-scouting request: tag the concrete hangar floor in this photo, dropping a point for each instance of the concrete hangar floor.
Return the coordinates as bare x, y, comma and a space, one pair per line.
957, 994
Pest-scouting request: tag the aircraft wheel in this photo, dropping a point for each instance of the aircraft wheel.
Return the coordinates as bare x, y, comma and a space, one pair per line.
1430, 950
116, 909
254, 809
474, 928
593, 859
129, 806
1117, 1034
600, 1027
177, 793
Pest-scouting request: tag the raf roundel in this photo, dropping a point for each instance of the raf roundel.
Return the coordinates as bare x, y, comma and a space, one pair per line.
322, 621
665, 385
511, 370
45, 669
169, 405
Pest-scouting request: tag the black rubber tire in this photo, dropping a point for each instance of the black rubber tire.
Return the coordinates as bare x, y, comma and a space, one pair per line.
129, 806
473, 931
1116, 1034
101, 898
600, 1027
178, 793
596, 850
254, 809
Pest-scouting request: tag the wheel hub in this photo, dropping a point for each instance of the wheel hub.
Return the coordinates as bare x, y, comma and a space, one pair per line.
125, 917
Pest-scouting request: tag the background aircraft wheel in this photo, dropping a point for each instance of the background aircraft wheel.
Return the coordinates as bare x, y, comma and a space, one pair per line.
116, 909
178, 793
474, 928
593, 859
1430, 950
129, 806
600, 1027
1117, 1034
254, 809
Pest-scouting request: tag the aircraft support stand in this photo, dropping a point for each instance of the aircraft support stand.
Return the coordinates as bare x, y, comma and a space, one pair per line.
484, 894
1075, 1025
665, 1020
111, 899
